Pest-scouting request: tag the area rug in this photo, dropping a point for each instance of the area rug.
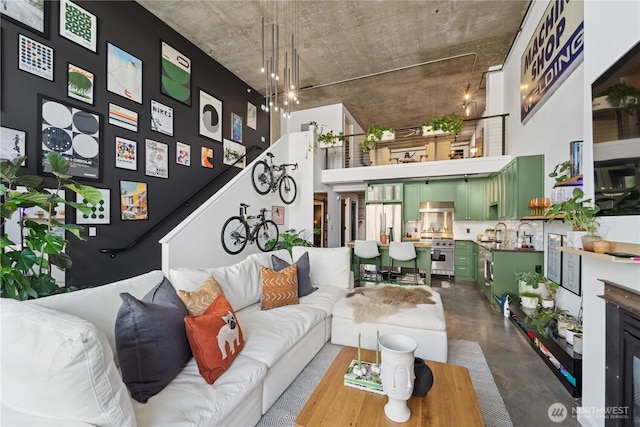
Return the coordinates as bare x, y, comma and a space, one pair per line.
464, 353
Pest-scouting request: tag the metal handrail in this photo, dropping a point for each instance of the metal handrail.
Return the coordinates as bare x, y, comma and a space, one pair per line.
114, 251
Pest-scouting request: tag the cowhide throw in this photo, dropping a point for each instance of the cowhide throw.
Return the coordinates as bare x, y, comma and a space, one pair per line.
370, 304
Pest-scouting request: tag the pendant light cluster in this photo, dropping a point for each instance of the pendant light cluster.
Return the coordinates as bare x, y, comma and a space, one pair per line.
281, 83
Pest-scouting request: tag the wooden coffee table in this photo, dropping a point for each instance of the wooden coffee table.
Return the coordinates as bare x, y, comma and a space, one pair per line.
450, 402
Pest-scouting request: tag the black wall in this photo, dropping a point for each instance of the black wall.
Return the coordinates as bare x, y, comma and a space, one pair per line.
133, 29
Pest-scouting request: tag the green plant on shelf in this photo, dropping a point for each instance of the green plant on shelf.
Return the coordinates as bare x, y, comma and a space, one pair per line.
373, 136
561, 171
545, 320
578, 212
451, 123
623, 96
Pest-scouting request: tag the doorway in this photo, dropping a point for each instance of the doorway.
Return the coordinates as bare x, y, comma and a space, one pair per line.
318, 223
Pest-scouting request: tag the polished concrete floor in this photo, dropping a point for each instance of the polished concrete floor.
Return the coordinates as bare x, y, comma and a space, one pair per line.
527, 385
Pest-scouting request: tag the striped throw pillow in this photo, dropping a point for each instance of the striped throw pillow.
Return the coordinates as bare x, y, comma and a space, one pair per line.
279, 288
197, 302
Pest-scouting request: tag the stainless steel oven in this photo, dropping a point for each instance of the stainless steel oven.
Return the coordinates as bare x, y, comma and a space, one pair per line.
442, 256
488, 269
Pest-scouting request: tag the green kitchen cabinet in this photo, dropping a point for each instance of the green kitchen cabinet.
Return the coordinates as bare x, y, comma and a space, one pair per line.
384, 193
411, 203
505, 264
470, 202
464, 264
510, 189
439, 191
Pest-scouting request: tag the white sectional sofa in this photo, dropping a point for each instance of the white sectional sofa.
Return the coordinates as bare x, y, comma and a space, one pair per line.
58, 365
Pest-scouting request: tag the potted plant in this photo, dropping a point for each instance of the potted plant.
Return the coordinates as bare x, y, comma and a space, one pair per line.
290, 238
330, 140
529, 282
451, 123
546, 320
552, 289
26, 266
375, 134
529, 300
561, 172
580, 214
565, 320
620, 95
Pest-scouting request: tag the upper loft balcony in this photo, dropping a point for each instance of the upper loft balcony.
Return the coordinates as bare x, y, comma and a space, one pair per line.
478, 150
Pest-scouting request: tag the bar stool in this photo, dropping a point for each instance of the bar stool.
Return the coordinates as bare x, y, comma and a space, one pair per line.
404, 251
367, 250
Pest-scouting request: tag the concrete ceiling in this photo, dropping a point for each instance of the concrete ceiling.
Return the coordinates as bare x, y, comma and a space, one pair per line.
456, 41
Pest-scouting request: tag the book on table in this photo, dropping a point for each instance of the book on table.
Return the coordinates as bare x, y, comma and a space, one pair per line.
369, 381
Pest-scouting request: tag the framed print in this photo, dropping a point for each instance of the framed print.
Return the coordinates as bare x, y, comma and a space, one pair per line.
35, 58
100, 212
210, 117
183, 154
120, 116
30, 14
236, 127
571, 272
176, 75
79, 84
206, 158
161, 118
234, 154
554, 257
12, 144
133, 201
126, 154
252, 116
78, 25
74, 133
277, 214
156, 159
124, 74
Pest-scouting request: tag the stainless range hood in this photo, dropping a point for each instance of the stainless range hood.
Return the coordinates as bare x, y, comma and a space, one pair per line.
436, 207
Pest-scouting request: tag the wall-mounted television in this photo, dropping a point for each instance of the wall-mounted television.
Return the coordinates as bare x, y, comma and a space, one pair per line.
616, 136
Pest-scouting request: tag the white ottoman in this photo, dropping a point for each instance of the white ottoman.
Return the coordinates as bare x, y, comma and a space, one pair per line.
425, 323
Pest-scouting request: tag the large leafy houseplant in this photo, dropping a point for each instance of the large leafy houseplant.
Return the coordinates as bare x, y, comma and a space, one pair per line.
25, 267
579, 213
451, 123
290, 238
623, 96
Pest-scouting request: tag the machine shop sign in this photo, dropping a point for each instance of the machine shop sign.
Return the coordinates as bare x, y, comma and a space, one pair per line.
554, 51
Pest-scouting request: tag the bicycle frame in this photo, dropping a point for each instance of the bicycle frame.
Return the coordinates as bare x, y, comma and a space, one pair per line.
278, 172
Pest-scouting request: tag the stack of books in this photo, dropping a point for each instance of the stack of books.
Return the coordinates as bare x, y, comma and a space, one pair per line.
368, 381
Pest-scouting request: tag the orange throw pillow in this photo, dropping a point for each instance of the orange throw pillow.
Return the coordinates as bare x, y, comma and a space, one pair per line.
215, 338
279, 288
197, 302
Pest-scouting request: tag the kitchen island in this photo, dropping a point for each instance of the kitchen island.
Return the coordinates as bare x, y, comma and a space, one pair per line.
423, 255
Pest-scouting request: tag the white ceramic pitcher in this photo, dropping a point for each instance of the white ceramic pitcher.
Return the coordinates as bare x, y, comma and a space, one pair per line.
398, 374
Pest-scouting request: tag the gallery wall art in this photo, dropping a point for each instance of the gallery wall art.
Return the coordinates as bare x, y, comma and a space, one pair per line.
79, 84
12, 144
35, 58
78, 25
124, 74
183, 154
72, 132
252, 116
161, 118
157, 159
210, 117
123, 117
100, 213
277, 214
30, 14
126, 154
206, 157
133, 201
176, 74
236, 127
234, 151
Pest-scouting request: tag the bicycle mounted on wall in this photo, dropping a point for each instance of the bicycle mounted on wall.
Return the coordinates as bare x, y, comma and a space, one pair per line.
266, 177
236, 232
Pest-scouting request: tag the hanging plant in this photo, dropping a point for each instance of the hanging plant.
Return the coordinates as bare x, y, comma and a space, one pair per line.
623, 96
373, 136
329, 139
451, 123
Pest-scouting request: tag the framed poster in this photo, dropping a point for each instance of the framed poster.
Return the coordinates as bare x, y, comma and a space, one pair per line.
124, 74
73, 132
206, 157
79, 84
100, 212
252, 116
234, 154
133, 201
175, 80
78, 25
210, 117
571, 272
30, 14
35, 58
236, 127
156, 159
12, 144
183, 154
554, 257
161, 118
126, 154
122, 117
277, 214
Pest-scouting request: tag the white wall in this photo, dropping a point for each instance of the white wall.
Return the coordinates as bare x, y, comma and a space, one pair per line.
611, 28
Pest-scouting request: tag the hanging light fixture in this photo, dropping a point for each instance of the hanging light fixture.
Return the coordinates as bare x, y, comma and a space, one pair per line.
271, 22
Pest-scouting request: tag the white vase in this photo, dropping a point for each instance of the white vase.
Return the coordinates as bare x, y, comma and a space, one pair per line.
397, 352
574, 239
548, 303
529, 302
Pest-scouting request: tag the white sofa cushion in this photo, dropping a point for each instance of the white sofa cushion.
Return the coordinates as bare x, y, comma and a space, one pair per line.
324, 298
55, 365
329, 266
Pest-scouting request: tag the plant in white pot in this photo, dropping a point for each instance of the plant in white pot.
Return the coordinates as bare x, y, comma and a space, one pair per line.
580, 214
552, 289
532, 283
375, 134
451, 123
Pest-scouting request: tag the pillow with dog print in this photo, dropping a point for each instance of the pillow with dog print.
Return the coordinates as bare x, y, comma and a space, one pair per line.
279, 288
215, 338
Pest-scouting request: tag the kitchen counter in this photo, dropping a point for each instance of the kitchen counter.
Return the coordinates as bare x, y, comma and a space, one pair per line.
423, 257
492, 247
416, 243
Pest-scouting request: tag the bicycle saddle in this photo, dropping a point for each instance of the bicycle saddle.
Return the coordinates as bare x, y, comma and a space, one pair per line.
270, 155
244, 205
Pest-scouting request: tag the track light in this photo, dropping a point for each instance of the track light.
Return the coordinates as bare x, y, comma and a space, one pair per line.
426, 180
466, 178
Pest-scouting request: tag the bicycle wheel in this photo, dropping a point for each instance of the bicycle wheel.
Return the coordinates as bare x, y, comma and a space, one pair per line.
288, 190
234, 235
267, 237
261, 177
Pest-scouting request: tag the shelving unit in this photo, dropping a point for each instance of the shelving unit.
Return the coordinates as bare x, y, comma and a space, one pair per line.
632, 248
556, 353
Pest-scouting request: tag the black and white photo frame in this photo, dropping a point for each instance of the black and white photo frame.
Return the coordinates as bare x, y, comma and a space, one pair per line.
13, 143
571, 271
161, 118
210, 116
30, 14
